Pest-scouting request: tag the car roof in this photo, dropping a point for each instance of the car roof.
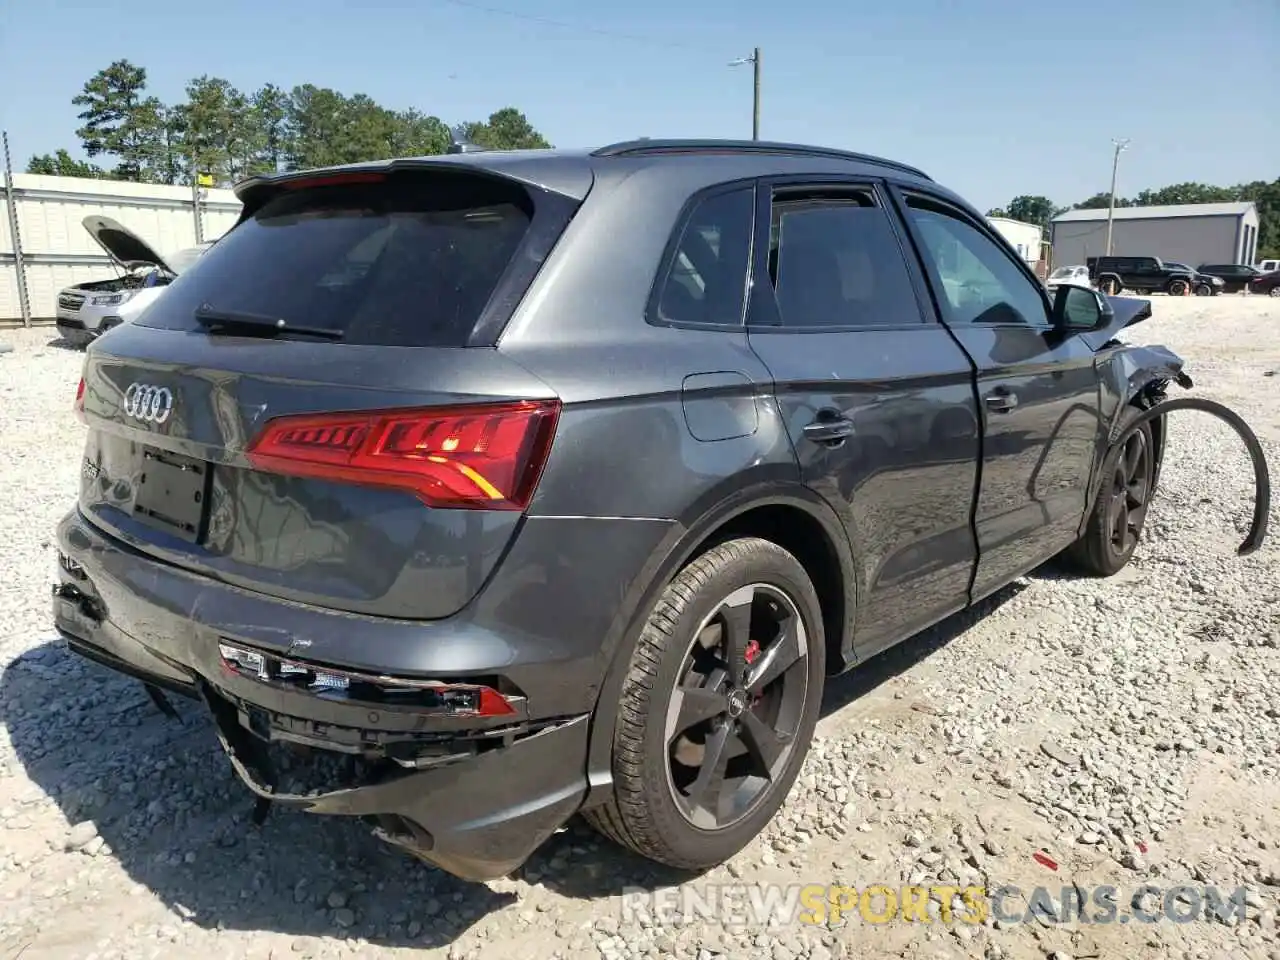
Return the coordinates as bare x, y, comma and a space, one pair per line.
572, 172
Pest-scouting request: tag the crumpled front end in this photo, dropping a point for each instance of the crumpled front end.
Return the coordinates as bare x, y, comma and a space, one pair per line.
1139, 375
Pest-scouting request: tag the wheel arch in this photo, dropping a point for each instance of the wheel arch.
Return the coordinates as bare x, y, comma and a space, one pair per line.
795, 518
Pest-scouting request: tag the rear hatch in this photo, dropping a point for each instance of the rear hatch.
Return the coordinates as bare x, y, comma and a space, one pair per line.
314, 410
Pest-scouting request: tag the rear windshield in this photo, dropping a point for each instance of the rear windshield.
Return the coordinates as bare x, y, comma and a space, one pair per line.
408, 261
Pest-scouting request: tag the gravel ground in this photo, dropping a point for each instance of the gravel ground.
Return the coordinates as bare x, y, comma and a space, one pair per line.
1124, 730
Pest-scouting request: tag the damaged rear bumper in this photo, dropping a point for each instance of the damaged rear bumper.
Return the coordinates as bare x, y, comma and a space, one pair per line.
473, 794
478, 817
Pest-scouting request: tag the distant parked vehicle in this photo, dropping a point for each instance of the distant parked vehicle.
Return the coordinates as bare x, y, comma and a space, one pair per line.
1202, 284
88, 310
1144, 275
1077, 276
1268, 283
1267, 266
1235, 277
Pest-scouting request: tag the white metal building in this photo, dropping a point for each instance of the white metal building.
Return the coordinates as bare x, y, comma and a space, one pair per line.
56, 251
1023, 237
1191, 233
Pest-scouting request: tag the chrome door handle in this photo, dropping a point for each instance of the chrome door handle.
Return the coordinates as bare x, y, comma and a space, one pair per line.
829, 431
1001, 401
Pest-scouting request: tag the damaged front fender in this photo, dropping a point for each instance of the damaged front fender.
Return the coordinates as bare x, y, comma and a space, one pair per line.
1137, 376
1261, 475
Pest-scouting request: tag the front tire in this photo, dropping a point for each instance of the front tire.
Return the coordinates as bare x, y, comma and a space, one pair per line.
718, 707
1204, 290
1120, 511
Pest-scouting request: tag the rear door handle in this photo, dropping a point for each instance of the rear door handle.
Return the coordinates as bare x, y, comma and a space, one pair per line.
829, 431
1001, 401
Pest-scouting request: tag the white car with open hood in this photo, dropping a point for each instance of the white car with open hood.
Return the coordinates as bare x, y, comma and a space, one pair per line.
87, 310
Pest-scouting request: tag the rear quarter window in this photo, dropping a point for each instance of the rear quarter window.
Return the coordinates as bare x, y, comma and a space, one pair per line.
705, 277
411, 260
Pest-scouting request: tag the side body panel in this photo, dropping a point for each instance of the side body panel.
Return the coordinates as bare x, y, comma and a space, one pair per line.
903, 480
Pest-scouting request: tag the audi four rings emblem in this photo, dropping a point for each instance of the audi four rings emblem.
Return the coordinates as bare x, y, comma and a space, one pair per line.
148, 403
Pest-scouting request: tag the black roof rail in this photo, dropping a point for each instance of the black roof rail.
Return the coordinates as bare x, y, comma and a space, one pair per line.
638, 148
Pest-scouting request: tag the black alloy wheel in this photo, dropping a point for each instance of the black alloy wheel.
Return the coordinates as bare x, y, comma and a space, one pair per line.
737, 706
717, 707
1131, 488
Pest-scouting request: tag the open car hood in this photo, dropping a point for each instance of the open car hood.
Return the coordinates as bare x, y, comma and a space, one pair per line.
123, 245
1126, 312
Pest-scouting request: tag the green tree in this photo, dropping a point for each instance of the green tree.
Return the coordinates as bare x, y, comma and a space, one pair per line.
368, 130
416, 135
220, 131
170, 163
1185, 193
1266, 196
1099, 201
120, 120
1033, 209
506, 129
316, 117
61, 164
270, 114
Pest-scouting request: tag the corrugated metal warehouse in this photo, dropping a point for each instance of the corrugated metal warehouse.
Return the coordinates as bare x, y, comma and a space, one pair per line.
56, 249
1191, 233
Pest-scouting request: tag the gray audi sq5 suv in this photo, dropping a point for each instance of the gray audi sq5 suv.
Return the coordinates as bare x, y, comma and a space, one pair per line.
494, 488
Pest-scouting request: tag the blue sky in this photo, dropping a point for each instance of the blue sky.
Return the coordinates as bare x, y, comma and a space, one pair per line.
992, 97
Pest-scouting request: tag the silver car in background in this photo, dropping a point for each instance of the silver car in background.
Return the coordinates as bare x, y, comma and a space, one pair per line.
87, 310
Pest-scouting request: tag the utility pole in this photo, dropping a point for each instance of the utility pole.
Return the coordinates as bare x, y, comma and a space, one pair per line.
754, 60
19, 265
1111, 201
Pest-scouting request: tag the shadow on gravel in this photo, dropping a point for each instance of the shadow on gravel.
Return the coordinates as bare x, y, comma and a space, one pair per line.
58, 343
845, 689
175, 818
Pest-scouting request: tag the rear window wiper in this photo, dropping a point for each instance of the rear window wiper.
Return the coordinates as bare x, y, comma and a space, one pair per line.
258, 324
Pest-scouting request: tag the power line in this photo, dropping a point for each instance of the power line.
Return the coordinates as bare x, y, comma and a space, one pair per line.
567, 25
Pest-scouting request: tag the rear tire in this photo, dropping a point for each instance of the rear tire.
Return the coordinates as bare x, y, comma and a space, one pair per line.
1274, 291
1177, 288
685, 699
1110, 286
1115, 525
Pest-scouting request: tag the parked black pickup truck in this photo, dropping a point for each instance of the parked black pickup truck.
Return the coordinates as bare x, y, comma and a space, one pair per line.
1145, 275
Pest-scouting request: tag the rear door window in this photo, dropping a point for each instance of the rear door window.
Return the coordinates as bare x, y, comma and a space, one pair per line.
411, 260
835, 262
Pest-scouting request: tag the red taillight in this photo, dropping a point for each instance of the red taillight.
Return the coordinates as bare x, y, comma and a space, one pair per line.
487, 457
79, 404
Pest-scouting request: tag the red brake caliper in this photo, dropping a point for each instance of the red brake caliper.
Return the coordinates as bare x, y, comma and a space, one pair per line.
752, 654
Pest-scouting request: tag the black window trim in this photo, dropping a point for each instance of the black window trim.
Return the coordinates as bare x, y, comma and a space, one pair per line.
764, 315
652, 313
902, 195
